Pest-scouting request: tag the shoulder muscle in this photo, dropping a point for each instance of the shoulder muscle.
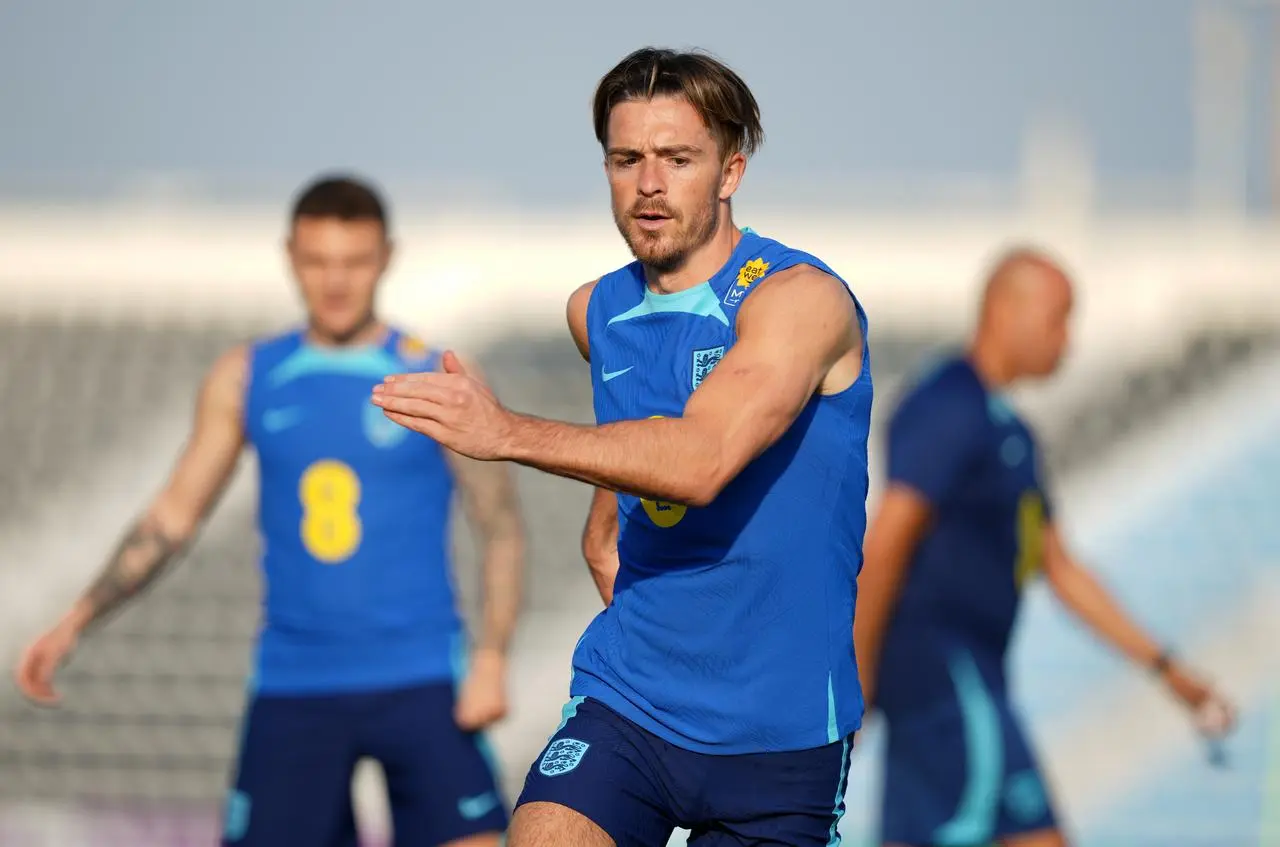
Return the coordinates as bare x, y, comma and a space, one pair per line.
811, 313
222, 393
576, 313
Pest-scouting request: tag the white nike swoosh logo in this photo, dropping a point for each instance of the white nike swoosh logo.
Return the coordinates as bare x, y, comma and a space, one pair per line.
274, 420
472, 808
608, 375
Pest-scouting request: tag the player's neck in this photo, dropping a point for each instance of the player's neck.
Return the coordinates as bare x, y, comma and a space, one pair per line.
989, 363
370, 333
701, 265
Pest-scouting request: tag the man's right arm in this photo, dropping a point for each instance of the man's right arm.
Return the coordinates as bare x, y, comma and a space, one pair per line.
196, 481
170, 521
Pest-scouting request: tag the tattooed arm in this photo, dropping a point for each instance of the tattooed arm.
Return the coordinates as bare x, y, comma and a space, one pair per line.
198, 478
492, 509
489, 500
140, 557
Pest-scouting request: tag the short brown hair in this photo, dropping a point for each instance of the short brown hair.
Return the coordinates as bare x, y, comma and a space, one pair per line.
343, 197
719, 95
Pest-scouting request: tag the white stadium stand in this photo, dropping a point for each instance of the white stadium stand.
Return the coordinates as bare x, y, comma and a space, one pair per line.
1162, 433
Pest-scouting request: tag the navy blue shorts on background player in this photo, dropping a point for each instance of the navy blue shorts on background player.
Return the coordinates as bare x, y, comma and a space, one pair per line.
299, 753
959, 773
638, 788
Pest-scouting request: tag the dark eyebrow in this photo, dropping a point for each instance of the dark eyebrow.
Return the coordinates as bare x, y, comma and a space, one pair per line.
665, 152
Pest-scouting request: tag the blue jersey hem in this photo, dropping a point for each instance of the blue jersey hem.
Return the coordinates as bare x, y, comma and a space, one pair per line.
584, 685
308, 687
284, 665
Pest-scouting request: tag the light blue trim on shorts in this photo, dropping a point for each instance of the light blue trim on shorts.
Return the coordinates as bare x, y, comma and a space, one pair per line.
838, 810
975, 817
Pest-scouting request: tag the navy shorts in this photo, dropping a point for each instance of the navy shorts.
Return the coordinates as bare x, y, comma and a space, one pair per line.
299, 754
961, 773
638, 788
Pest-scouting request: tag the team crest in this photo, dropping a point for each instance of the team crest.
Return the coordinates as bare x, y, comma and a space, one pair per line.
562, 756
380, 430
703, 361
747, 274
412, 350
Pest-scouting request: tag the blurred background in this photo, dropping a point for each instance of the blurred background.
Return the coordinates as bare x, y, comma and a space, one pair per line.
149, 150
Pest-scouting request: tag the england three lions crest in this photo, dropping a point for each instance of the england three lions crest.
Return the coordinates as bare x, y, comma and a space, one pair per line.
747, 274
703, 361
562, 756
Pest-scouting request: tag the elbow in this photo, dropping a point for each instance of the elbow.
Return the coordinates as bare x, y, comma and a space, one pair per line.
177, 516
696, 490
700, 484
517, 539
178, 528
601, 556
700, 493
708, 487
601, 564
507, 544
598, 545
1062, 578
699, 466
592, 550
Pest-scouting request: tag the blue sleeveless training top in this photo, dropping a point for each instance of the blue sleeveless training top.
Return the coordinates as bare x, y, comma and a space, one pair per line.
731, 625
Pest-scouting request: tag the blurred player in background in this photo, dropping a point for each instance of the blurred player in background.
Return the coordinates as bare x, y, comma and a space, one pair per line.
718, 690
361, 644
963, 526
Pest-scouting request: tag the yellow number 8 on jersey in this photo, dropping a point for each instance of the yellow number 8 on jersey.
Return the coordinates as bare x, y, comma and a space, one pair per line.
330, 491
662, 513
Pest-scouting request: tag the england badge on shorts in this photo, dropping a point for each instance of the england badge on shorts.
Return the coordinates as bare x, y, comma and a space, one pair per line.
562, 756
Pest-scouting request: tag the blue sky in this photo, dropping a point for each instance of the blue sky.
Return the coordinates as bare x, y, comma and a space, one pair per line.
493, 97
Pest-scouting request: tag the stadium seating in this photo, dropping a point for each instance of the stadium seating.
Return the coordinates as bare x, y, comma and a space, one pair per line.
153, 701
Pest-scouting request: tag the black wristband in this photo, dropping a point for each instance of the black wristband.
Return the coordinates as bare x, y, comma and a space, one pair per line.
1163, 662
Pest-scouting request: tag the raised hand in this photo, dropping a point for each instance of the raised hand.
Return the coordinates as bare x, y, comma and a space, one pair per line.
450, 406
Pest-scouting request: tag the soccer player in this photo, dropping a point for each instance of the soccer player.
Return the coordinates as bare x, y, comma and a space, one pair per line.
361, 649
964, 525
718, 690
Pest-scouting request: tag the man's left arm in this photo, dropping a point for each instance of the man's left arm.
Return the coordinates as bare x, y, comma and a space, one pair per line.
492, 509
791, 332
1086, 597
600, 542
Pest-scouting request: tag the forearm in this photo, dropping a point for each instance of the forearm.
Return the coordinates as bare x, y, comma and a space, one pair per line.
601, 554
661, 459
600, 542
503, 566
887, 558
142, 555
866, 648
871, 619
493, 513
1084, 595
